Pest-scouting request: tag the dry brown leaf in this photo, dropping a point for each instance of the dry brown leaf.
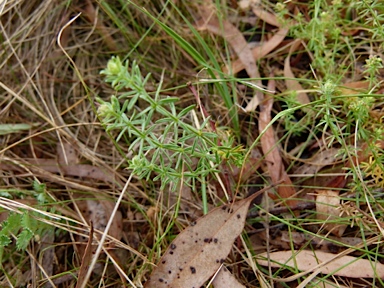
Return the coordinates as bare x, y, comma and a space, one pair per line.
234, 37
238, 43
318, 161
261, 51
66, 154
66, 164
47, 255
327, 208
198, 251
99, 212
271, 152
266, 16
354, 87
328, 263
77, 170
225, 279
291, 83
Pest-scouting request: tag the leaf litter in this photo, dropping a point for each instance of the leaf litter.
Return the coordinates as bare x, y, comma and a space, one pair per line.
64, 173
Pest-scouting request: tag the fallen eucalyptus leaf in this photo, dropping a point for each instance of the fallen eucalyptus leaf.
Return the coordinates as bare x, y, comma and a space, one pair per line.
198, 251
328, 263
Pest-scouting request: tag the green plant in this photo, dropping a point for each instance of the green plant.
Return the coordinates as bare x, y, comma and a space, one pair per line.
166, 145
24, 224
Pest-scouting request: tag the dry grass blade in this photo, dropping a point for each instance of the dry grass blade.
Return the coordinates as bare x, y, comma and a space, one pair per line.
197, 253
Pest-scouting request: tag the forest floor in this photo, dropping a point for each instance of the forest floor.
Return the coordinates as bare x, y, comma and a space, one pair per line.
191, 143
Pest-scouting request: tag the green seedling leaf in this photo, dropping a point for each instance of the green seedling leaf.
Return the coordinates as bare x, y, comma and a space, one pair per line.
23, 239
197, 253
6, 129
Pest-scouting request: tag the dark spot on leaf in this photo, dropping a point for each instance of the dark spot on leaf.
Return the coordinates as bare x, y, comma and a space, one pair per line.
333, 248
193, 269
163, 262
169, 272
224, 207
171, 252
238, 216
193, 223
222, 261
215, 240
173, 246
161, 280
208, 240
